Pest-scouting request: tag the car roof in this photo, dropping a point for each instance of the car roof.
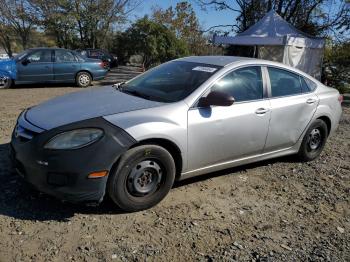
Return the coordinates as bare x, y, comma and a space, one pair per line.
48, 48
215, 60
225, 61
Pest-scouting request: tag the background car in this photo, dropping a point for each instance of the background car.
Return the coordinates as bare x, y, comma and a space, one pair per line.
53, 65
100, 54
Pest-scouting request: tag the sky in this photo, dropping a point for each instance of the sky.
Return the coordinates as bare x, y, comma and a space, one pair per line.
207, 18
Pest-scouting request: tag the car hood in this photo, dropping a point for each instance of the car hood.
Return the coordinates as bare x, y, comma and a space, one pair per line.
8, 66
84, 105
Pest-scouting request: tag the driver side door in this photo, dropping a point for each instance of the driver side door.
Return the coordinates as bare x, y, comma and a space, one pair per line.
36, 67
220, 134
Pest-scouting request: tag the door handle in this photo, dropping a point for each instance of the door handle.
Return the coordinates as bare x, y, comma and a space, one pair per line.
311, 101
261, 111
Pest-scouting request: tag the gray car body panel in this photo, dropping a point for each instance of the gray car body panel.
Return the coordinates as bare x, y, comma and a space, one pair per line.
207, 147
209, 139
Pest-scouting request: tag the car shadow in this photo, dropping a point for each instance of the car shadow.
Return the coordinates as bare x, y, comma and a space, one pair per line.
20, 201
192, 180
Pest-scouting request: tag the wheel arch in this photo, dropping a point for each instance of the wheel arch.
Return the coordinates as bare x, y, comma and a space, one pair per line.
7, 74
328, 122
170, 146
86, 71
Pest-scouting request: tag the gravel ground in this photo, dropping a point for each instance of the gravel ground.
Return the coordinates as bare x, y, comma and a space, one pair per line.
278, 210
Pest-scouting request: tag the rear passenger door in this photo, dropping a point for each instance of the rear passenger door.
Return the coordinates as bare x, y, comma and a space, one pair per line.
293, 103
66, 65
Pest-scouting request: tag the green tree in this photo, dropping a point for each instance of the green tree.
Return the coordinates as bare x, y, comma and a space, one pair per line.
337, 66
154, 42
6, 37
82, 23
182, 20
19, 16
315, 17
57, 19
96, 18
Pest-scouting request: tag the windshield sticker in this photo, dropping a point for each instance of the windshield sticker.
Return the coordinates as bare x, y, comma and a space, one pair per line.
204, 69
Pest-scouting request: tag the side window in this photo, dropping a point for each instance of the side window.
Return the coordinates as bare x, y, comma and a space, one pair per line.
95, 54
63, 56
243, 84
284, 83
304, 86
83, 53
40, 56
311, 85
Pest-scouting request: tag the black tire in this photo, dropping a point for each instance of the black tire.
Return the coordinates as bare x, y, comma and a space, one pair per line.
83, 79
6, 83
314, 141
127, 180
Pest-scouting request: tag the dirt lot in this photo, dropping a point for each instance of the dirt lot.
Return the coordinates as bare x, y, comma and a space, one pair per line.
278, 210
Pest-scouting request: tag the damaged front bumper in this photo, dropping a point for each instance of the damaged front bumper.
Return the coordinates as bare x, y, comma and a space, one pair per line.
64, 173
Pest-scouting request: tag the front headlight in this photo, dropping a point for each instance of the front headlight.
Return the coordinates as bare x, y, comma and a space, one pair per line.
74, 139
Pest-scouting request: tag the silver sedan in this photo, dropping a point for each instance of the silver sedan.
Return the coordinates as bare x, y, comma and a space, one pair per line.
181, 119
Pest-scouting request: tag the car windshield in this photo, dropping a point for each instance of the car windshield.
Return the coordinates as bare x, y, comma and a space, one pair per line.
20, 55
170, 82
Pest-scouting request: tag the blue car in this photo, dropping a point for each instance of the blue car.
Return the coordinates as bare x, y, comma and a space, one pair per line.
50, 65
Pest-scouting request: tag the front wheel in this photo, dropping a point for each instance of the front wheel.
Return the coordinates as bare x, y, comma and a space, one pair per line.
314, 141
144, 176
83, 79
5, 82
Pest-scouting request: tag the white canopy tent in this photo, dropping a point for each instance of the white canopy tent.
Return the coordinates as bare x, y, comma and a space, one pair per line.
277, 40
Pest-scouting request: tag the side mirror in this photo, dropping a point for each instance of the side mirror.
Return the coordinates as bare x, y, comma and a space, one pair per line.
216, 98
25, 61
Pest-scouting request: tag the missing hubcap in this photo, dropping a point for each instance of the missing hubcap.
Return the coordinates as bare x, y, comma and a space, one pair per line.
144, 178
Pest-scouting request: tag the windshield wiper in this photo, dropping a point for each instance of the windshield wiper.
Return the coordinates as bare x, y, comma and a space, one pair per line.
136, 93
119, 87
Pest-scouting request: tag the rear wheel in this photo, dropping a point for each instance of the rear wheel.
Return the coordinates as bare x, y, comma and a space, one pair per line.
5, 82
314, 141
144, 176
83, 79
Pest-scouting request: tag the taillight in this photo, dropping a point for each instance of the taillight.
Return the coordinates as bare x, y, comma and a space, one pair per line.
340, 98
102, 64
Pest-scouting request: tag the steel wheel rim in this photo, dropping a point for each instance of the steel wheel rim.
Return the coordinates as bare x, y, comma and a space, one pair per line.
144, 178
315, 139
84, 80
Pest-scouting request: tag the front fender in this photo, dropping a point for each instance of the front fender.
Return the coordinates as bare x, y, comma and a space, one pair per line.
5, 74
168, 122
8, 69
